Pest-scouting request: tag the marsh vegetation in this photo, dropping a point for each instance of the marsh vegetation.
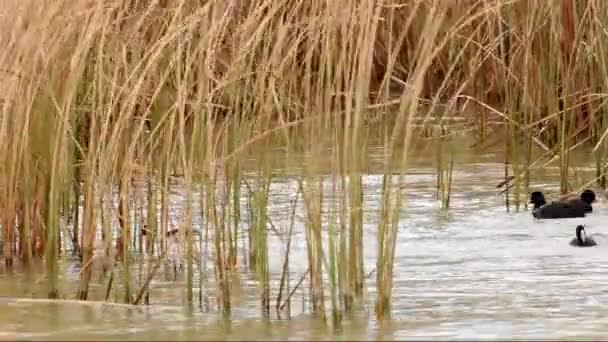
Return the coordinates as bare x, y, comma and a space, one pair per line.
111, 108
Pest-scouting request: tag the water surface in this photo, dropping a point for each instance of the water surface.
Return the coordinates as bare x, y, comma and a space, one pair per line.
477, 272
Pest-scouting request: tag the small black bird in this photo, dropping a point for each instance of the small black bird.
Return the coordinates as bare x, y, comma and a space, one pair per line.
581, 239
562, 209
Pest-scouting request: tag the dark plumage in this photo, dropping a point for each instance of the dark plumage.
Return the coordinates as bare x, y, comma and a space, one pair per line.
588, 197
581, 239
562, 209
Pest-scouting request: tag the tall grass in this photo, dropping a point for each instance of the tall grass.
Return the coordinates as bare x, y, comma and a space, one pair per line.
93, 91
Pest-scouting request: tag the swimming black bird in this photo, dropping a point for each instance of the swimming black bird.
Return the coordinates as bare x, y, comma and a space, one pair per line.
562, 209
581, 239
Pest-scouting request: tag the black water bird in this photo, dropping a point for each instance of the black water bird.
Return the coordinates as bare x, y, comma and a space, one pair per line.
562, 209
581, 239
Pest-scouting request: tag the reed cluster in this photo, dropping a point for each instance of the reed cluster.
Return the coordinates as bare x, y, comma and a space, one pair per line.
105, 103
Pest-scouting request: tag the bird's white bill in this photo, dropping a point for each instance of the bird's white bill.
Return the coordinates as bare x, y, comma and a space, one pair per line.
583, 236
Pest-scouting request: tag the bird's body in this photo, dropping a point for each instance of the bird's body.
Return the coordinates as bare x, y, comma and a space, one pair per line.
569, 208
562, 209
581, 239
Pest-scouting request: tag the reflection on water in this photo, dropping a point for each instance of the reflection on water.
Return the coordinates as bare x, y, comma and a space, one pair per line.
479, 273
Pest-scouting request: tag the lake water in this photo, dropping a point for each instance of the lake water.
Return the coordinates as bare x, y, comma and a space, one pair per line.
479, 273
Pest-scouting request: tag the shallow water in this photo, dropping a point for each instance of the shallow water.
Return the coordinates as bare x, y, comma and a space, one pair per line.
478, 273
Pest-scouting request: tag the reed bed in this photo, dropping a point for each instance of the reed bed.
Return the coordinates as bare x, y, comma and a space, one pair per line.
107, 105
